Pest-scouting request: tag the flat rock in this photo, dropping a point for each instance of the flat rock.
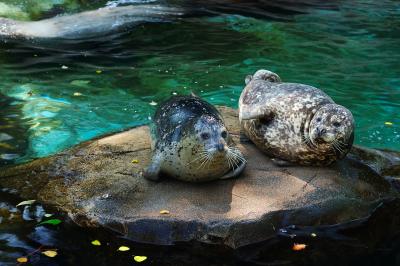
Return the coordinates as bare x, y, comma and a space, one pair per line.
100, 183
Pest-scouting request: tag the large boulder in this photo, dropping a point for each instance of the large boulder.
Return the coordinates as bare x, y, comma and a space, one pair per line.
100, 183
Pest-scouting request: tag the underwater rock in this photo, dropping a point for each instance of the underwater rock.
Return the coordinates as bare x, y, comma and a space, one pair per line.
99, 183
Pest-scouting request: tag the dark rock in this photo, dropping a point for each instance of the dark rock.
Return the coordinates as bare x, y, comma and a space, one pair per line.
97, 184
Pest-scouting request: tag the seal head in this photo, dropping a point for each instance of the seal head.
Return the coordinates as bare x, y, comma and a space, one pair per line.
192, 143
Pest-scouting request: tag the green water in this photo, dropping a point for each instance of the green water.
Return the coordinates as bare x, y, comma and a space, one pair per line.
57, 93
351, 52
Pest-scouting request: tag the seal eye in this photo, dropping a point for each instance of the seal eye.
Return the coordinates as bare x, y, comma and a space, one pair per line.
205, 136
336, 124
319, 119
224, 134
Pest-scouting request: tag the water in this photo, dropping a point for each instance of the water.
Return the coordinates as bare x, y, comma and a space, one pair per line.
57, 93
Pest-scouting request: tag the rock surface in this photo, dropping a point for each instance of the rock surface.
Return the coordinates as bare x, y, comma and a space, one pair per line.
99, 183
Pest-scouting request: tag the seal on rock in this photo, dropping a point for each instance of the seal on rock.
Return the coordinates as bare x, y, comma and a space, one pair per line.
294, 123
191, 143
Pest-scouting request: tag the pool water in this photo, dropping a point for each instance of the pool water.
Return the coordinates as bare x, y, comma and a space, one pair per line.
57, 93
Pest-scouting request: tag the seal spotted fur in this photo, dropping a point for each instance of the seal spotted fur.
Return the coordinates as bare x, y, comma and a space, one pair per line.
191, 143
294, 122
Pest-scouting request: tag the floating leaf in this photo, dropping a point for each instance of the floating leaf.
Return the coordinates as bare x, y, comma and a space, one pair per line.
98, 71
47, 215
123, 248
389, 123
164, 212
153, 103
64, 67
140, 258
135, 161
50, 253
313, 234
77, 94
22, 259
298, 247
52, 222
96, 243
26, 202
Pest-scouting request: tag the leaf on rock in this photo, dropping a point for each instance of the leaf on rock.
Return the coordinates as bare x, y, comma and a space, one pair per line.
140, 258
164, 212
298, 247
50, 253
26, 202
22, 259
96, 243
123, 248
135, 161
52, 222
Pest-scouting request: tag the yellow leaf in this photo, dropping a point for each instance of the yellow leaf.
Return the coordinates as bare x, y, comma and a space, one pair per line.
140, 258
98, 71
26, 202
123, 248
389, 123
22, 259
298, 247
50, 253
96, 243
135, 161
77, 94
164, 212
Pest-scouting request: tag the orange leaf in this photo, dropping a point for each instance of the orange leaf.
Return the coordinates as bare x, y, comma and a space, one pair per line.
298, 247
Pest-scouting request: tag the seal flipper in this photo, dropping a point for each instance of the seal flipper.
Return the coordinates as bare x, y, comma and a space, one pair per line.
236, 172
153, 170
255, 113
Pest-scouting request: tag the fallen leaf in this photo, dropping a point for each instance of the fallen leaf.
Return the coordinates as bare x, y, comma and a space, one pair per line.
50, 253
164, 212
22, 259
98, 71
140, 258
135, 161
96, 243
298, 247
26, 202
389, 123
123, 248
153, 103
64, 67
47, 215
313, 234
52, 222
77, 94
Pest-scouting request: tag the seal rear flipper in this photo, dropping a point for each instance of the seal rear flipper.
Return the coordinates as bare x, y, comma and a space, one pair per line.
153, 170
236, 172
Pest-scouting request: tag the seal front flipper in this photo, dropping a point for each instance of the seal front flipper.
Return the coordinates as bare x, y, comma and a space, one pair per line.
236, 172
281, 163
153, 170
260, 112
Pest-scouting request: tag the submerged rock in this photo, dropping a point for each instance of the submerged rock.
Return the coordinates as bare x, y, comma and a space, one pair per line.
99, 183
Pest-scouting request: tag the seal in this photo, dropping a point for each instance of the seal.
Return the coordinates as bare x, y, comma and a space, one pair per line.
191, 143
294, 123
88, 23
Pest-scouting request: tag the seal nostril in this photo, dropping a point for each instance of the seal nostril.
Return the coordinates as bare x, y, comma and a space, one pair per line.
220, 147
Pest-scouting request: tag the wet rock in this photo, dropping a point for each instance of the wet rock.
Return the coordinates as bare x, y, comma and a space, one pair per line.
97, 184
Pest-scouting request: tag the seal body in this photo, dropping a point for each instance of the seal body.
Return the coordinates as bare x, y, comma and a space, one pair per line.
191, 143
294, 122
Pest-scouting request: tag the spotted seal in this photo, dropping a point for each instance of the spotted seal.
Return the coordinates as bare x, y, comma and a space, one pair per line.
294, 123
191, 143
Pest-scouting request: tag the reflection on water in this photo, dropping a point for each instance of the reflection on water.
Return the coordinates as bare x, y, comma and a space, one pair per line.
57, 93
